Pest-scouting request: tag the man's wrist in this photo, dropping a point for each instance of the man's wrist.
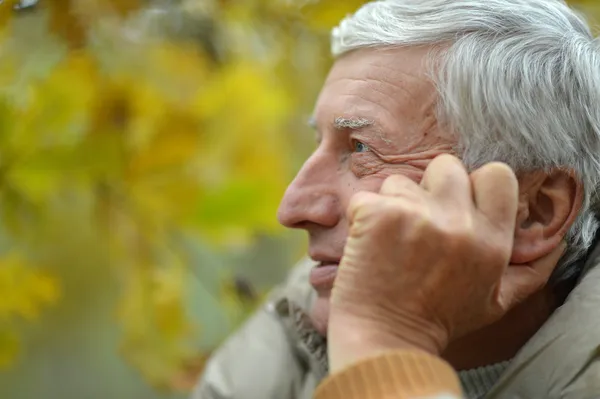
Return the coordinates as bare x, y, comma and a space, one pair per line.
352, 339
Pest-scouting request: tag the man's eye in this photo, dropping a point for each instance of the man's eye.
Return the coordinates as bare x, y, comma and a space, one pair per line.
360, 147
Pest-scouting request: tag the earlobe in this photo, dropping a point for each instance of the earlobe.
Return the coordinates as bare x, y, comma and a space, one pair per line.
549, 203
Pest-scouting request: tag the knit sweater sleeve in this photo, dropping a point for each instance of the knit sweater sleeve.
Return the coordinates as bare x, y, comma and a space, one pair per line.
398, 374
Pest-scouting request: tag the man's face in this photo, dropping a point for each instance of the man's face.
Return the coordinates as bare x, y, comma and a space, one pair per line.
375, 117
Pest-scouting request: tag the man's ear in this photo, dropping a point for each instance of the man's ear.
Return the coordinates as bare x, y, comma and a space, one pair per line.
549, 203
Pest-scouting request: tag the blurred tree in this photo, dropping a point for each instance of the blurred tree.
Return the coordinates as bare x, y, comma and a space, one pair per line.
130, 128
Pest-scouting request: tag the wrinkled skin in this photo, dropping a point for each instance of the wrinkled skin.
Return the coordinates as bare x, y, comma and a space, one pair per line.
452, 227
389, 90
404, 140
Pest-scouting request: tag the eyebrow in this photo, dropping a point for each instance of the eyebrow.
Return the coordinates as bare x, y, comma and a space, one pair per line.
341, 123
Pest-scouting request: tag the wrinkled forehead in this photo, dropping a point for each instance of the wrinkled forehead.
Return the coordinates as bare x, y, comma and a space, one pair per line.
389, 86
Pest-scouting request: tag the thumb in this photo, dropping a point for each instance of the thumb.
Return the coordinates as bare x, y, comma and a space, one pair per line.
521, 281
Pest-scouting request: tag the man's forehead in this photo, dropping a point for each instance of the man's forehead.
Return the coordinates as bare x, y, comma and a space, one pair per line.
377, 87
390, 65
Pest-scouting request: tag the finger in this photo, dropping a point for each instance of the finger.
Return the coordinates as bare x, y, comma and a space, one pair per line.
496, 194
521, 281
400, 186
360, 204
447, 179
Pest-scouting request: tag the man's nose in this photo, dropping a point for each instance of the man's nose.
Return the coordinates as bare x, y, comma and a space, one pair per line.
312, 198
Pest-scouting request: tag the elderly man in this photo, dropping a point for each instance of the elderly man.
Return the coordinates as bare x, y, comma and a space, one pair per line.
515, 81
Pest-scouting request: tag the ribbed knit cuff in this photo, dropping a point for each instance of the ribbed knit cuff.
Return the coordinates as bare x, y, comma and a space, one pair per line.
398, 374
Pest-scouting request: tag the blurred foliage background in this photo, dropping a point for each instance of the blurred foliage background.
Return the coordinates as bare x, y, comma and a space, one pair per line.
144, 148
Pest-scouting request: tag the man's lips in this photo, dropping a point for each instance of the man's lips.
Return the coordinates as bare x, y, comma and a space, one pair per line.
323, 276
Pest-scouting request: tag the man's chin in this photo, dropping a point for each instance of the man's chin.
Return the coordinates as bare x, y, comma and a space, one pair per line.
320, 313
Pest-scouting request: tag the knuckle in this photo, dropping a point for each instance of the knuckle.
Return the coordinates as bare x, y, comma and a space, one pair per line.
363, 198
390, 182
444, 163
395, 213
391, 212
394, 185
400, 209
419, 223
362, 201
387, 185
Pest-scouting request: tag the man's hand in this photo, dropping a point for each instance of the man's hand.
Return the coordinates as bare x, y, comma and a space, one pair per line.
425, 264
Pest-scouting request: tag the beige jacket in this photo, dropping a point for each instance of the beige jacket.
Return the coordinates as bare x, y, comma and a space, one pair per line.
278, 355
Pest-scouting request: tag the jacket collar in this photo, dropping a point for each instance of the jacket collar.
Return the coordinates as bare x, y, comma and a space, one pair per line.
562, 350
310, 346
534, 372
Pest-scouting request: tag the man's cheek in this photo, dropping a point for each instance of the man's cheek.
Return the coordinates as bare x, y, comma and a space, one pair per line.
366, 165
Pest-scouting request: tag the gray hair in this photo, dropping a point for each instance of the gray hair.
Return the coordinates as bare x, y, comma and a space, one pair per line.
519, 82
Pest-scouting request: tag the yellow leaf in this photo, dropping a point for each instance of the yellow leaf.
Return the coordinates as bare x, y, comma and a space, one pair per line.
157, 333
34, 184
169, 300
58, 113
175, 143
25, 290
